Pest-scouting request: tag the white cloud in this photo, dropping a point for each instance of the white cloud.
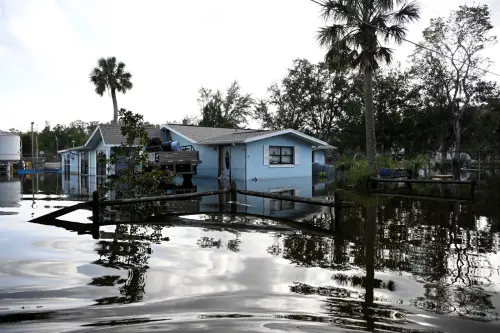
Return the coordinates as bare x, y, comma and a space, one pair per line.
172, 48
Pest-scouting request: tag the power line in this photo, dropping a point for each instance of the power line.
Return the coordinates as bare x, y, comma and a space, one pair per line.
416, 44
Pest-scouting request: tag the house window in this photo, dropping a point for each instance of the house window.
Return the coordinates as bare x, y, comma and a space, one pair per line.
84, 165
281, 155
67, 163
101, 162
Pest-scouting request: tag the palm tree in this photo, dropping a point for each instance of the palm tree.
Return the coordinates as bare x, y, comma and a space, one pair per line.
354, 40
111, 76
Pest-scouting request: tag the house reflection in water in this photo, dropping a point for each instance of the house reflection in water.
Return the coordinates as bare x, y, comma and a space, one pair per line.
82, 186
302, 186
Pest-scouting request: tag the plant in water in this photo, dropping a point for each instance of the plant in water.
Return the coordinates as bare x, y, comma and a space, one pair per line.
127, 161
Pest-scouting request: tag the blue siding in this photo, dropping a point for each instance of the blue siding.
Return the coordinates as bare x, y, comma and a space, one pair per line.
319, 156
74, 162
238, 162
93, 157
209, 159
255, 159
209, 166
255, 168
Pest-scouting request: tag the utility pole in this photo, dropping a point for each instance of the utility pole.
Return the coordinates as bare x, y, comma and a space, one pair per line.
32, 146
57, 149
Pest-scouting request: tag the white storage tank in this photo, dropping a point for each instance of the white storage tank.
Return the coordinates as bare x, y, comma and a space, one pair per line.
10, 147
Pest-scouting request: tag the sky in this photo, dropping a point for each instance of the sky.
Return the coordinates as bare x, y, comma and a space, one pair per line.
172, 48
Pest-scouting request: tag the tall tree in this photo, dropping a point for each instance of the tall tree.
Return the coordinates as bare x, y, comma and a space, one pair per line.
311, 99
110, 75
354, 40
459, 39
228, 110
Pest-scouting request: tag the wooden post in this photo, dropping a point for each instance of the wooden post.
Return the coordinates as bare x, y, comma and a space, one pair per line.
337, 208
234, 197
95, 207
472, 187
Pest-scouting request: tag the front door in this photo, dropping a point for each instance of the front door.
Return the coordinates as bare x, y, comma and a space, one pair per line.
225, 162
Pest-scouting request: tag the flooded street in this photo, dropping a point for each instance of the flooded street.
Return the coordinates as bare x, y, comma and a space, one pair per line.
388, 264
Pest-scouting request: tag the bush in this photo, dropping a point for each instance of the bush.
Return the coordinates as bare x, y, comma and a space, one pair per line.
360, 173
416, 163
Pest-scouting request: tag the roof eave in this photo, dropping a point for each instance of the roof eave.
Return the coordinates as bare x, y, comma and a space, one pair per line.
92, 135
221, 142
165, 126
79, 148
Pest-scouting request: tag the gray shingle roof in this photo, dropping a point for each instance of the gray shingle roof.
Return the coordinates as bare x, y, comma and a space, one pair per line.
200, 134
236, 137
112, 135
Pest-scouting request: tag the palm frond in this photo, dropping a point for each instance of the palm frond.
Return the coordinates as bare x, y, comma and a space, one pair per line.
409, 12
111, 63
124, 82
339, 59
383, 5
120, 68
341, 10
395, 33
385, 54
330, 34
102, 64
98, 78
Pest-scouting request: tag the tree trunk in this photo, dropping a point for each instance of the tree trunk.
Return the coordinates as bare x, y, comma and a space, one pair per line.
115, 106
458, 139
371, 143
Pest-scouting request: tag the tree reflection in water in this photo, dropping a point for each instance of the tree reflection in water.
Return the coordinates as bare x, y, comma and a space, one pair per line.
129, 250
445, 246
440, 244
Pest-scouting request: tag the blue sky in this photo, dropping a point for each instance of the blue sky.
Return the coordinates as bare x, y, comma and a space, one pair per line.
172, 48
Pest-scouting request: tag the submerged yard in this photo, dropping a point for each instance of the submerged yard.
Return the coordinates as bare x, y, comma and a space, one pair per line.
391, 264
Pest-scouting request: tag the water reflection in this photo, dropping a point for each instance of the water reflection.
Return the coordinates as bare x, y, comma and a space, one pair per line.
388, 264
129, 250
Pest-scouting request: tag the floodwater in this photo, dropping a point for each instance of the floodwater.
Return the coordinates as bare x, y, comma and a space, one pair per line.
388, 264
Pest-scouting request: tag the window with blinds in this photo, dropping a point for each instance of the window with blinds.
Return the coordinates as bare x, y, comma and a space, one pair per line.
281, 155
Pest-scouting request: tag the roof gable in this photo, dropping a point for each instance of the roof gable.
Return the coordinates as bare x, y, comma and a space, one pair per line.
300, 135
111, 134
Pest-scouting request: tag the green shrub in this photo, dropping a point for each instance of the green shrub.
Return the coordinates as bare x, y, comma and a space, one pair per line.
416, 163
360, 173
385, 161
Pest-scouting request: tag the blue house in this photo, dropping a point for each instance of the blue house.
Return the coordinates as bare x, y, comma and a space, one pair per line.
241, 154
83, 160
236, 154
